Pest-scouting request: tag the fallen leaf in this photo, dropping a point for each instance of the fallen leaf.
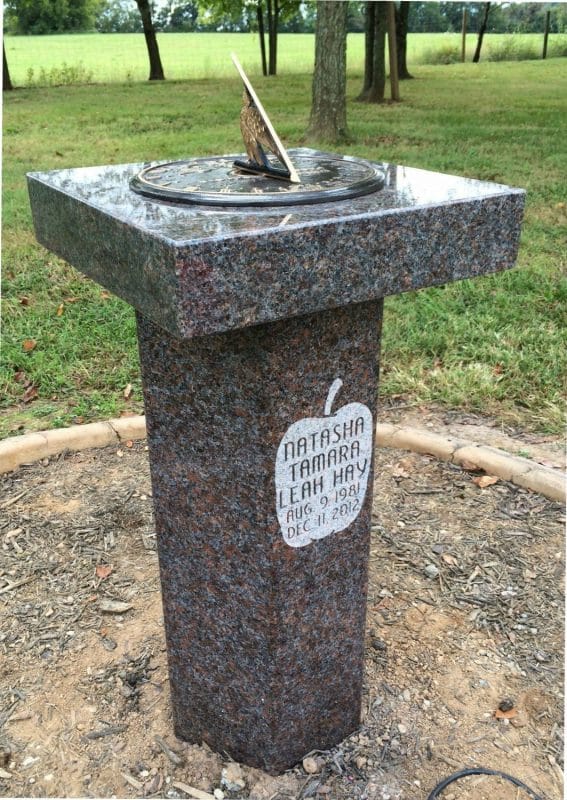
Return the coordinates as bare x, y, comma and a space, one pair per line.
28, 344
20, 376
485, 480
449, 559
505, 714
71, 299
60, 309
103, 570
24, 301
129, 443
29, 394
128, 392
104, 295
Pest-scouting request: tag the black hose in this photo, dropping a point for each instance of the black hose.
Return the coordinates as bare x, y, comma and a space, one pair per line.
481, 771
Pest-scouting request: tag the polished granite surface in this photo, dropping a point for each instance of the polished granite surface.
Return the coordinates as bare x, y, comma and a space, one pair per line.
200, 269
107, 188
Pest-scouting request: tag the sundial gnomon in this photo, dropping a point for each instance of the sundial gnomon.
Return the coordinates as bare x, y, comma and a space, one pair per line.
270, 175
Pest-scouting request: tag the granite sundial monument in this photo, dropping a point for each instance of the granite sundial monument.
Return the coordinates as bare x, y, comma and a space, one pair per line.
259, 302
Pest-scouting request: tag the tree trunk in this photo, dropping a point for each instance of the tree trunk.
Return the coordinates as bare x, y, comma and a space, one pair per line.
260, 17
156, 69
375, 53
402, 13
393, 51
369, 22
328, 109
273, 13
481, 32
7, 85
275, 35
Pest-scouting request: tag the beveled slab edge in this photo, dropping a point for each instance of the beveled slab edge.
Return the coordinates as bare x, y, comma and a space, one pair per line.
136, 266
282, 274
216, 285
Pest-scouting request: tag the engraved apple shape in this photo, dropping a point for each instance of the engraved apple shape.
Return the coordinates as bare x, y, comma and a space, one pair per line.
321, 472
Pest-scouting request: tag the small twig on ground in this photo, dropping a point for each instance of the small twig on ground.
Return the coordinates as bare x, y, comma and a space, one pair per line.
175, 759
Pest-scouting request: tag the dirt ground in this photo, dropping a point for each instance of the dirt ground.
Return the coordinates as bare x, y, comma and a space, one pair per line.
465, 614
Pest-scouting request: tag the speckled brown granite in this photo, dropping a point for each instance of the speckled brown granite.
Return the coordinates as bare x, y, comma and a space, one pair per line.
196, 270
246, 319
265, 641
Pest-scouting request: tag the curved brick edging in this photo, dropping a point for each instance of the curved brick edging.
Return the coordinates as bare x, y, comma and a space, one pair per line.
20, 450
30, 447
521, 471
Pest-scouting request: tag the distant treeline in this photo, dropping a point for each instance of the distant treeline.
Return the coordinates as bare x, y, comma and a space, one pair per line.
122, 16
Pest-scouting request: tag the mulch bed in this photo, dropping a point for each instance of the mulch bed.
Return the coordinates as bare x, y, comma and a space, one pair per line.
464, 641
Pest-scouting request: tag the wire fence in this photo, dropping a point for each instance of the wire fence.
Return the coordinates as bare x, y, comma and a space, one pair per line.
122, 57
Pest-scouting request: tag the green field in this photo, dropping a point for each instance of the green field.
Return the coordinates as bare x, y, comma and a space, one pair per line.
122, 56
496, 345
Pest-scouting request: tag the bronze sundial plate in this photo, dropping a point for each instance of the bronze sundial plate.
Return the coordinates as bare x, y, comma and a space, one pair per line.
216, 181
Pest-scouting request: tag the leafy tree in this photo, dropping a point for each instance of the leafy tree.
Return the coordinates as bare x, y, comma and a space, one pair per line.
50, 16
426, 18
118, 16
355, 22
558, 17
328, 109
177, 16
246, 15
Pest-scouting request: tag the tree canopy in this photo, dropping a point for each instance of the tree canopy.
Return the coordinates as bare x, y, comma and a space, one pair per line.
50, 16
505, 17
293, 16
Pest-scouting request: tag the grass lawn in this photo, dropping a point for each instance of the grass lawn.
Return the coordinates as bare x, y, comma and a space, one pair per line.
121, 57
496, 345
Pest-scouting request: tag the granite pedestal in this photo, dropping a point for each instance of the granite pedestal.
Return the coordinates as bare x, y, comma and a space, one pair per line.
259, 334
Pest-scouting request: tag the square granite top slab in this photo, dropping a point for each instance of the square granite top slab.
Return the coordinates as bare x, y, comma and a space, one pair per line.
195, 269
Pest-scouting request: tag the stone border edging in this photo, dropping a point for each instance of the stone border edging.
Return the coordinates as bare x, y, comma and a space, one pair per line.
20, 450
529, 474
521, 471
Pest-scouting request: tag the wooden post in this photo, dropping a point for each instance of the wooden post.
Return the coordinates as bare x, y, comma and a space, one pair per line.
393, 53
260, 17
464, 36
7, 85
481, 32
546, 34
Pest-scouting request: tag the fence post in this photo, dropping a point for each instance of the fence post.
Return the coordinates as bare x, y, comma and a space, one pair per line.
464, 36
546, 34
